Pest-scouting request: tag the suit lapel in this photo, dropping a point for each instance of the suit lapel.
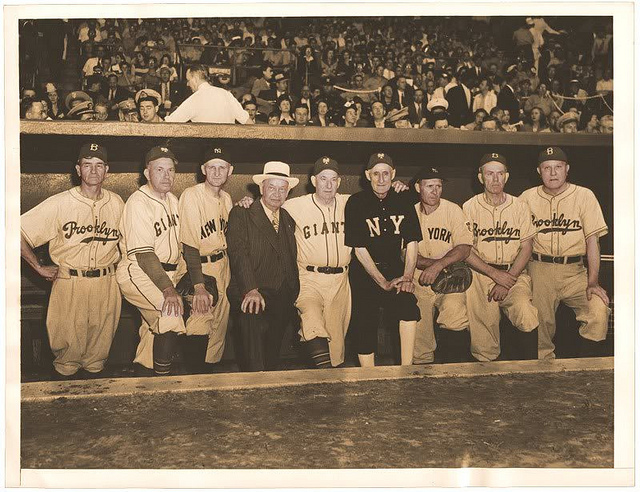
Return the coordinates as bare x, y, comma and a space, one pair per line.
263, 223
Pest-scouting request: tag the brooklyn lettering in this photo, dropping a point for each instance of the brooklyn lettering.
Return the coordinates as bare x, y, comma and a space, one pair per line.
323, 229
557, 224
501, 232
165, 223
100, 232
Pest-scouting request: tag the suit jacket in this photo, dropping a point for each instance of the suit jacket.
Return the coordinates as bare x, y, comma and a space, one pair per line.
259, 257
416, 115
508, 100
459, 107
120, 95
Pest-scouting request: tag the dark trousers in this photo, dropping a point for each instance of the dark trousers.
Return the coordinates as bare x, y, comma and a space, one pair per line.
260, 335
366, 300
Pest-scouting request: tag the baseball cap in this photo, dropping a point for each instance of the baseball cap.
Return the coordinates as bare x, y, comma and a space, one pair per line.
92, 149
324, 163
379, 158
159, 152
428, 173
79, 109
217, 153
552, 154
493, 157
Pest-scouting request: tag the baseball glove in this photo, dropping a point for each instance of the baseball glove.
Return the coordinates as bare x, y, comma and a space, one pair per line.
455, 278
186, 290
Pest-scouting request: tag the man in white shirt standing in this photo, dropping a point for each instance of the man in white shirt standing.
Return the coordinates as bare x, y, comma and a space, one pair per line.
207, 104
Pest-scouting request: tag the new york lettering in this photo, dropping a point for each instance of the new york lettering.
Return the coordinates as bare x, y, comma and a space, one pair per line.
165, 223
439, 234
501, 232
101, 232
374, 224
323, 229
210, 227
557, 224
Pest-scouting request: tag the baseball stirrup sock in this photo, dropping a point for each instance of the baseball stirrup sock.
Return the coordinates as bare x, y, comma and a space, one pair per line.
455, 345
319, 351
163, 346
407, 341
589, 348
367, 360
528, 344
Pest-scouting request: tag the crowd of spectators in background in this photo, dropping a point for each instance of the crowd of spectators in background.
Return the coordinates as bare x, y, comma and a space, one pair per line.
469, 73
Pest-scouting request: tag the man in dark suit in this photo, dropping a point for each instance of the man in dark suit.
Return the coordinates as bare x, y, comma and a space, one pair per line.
418, 109
460, 100
264, 273
172, 93
507, 98
114, 94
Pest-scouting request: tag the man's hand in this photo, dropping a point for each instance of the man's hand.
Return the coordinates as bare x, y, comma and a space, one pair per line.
49, 272
252, 302
505, 279
498, 293
429, 274
172, 305
244, 202
403, 284
399, 186
595, 289
201, 303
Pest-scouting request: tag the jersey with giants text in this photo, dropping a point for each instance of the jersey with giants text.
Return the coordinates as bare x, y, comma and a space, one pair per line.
564, 221
498, 230
82, 233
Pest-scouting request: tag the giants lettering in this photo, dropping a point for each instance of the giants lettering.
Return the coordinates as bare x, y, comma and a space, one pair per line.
324, 229
171, 221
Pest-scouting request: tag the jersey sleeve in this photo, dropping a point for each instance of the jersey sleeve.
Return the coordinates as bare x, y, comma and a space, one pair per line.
39, 225
592, 218
355, 229
188, 209
138, 226
410, 227
461, 227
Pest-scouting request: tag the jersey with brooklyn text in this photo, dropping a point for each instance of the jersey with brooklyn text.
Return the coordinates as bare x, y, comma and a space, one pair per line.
82, 233
204, 218
319, 230
564, 221
442, 229
498, 230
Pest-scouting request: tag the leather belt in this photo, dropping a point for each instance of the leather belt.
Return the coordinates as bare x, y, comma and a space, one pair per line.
328, 270
500, 267
213, 258
169, 267
98, 272
561, 260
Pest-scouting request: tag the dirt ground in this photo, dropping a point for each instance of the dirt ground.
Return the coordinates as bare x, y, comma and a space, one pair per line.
526, 420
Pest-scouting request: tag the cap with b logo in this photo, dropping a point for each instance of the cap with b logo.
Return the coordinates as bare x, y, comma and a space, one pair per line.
220, 153
93, 149
379, 158
428, 173
323, 164
552, 154
493, 157
158, 153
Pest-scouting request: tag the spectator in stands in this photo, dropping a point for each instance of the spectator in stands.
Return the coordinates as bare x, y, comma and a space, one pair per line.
128, 80
251, 107
418, 110
606, 123
478, 118
272, 95
55, 111
263, 84
460, 102
148, 102
592, 125
101, 111
307, 99
92, 62
486, 99
604, 86
152, 77
309, 70
284, 109
441, 122
114, 93
165, 61
127, 111
507, 97
83, 111
490, 124
388, 99
301, 115
321, 117
575, 91
378, 114
443, 81
537, 121
329, 64
568, 122
207, 104
273, 119
140, 64
170, 92
350, 115
554, 116
95, 87
34, 110
541, 99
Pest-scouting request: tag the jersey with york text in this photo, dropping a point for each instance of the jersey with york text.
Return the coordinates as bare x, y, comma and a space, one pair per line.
442, 229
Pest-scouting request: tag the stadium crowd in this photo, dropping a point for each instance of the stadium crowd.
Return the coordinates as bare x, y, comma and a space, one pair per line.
468, 73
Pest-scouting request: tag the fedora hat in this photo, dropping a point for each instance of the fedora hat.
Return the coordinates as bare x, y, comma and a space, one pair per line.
276, 169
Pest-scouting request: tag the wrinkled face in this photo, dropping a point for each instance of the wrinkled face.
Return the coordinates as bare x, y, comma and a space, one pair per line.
489, 126
274, 192
535, 115
148, 110
571, 127
441, 125
285, 106
216, 172
430, 191
326, 184
606, 126
351, 116
553, 174
161, 173
381, 175
101, 113
494, 175
377, 110
92, 170
301, 116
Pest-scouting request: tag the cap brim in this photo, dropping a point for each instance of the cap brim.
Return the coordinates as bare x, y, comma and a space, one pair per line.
259, 178
215, 159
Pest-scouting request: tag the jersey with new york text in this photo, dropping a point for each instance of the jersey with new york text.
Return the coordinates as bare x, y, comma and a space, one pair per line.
442, 229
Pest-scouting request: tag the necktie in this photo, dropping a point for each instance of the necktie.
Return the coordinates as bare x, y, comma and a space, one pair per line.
165, 91
111, 94
275, 220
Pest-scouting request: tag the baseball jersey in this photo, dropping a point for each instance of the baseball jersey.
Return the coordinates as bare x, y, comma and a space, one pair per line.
564, 221
442, 229
82, 233
204, 219
150, 225
498, 230
319, 231
384, 226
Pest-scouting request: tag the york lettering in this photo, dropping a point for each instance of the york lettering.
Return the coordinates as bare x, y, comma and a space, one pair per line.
439, 234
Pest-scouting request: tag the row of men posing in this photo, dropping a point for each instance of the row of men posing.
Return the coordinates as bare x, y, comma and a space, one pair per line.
265, 261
